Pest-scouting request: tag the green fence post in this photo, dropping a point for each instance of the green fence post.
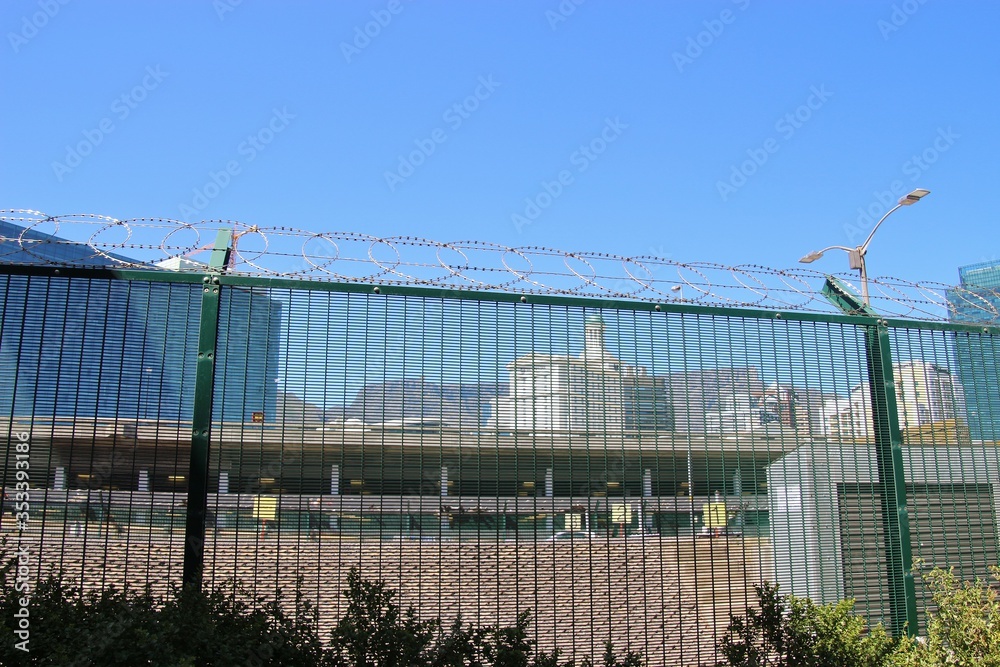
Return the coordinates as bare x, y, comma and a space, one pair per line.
889, 459
201, 420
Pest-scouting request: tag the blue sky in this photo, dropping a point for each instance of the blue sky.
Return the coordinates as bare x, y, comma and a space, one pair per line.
736, 132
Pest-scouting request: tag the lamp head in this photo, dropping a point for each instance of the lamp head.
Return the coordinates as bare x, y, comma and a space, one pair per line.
913, 197
811, 257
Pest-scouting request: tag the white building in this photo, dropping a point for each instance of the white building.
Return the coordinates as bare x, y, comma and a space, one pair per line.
744, 411
925, 393
848, 417
594, 391
739, 413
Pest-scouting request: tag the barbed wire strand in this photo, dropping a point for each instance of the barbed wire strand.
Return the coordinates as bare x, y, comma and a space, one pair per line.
279, 251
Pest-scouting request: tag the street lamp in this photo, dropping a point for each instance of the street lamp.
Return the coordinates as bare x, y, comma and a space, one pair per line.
680, 291
856, 255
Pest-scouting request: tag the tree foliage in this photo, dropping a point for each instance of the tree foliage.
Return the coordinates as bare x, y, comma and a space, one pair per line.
787, 631
228, 627
965, 629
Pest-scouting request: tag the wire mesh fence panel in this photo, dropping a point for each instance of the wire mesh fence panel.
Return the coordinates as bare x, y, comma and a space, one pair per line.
95, 398
947, 382
608, 469
623, 471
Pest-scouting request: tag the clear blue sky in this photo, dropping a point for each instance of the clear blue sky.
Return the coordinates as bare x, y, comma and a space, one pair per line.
127, 109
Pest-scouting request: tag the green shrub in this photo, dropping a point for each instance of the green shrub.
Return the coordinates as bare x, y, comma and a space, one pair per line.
376, 631
965, 629
123, 627
787, 631
226, 627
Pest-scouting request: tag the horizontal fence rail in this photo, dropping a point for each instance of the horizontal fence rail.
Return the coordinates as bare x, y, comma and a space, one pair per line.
625, 470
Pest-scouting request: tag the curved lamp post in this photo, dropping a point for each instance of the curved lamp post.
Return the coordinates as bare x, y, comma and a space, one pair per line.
856, 255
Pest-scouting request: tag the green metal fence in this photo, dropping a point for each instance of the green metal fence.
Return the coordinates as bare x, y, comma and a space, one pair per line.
627, 470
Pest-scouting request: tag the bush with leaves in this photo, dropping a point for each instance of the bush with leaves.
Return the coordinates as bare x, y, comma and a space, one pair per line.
965, 629
111, 627
787, 631
376, 631
226, 627
123, 627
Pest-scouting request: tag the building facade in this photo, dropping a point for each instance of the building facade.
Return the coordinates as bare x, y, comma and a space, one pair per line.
926, 393
978, 356
77, 351
592, 392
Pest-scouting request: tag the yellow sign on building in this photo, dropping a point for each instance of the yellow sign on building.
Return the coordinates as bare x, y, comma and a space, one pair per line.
715, 515
621, 513
265, 508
